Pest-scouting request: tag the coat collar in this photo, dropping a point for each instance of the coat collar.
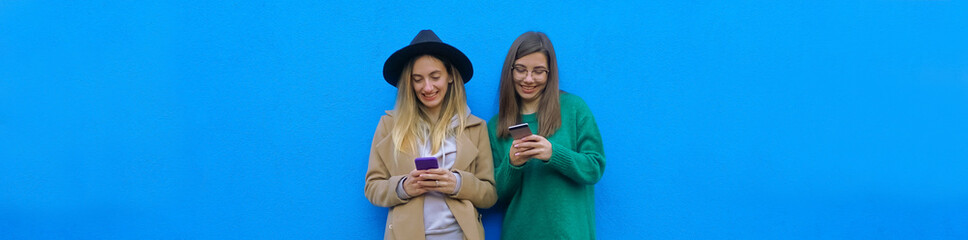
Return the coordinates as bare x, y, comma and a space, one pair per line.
466, 149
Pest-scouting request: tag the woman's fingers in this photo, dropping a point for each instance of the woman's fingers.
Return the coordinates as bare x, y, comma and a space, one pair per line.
527, 145
416, 173
438, 186
438, 175
531, 153
534, 147
413, 188
438, 180
428, 183
437, 171
533, 138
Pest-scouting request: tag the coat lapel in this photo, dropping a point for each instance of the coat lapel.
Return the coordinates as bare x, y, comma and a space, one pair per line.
466, 150
396, 161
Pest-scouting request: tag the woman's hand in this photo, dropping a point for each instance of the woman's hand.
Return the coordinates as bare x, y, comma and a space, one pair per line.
514, 153
438, 180
534, 146
412, 185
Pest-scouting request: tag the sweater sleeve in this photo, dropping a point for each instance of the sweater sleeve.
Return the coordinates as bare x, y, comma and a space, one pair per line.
478, 186
586, 163
507, 177
380, 186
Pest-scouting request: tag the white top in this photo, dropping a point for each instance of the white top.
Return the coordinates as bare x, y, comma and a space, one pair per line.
439, 221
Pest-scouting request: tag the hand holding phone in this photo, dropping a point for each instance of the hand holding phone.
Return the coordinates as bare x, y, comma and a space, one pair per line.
424, 163
520, 130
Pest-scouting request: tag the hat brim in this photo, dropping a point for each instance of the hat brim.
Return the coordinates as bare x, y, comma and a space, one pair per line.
395, 63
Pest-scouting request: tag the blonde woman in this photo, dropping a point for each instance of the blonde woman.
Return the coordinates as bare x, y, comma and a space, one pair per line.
430, 119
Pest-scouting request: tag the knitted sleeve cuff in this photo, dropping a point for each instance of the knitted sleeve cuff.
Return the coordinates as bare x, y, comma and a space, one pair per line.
561, 157
516, 168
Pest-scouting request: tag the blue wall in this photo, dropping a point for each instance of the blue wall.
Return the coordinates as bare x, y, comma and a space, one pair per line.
244, 119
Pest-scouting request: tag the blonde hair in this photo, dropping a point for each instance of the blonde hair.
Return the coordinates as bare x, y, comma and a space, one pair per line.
411, 122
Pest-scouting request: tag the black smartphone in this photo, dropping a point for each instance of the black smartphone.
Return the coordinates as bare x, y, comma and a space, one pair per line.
520, 130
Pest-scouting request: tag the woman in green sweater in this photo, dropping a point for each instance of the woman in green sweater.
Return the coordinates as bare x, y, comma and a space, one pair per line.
548, 178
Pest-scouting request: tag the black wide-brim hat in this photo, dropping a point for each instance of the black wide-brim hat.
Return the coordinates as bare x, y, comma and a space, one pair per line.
426, 42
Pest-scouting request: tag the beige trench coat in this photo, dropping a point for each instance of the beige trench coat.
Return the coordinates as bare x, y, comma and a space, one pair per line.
405, 218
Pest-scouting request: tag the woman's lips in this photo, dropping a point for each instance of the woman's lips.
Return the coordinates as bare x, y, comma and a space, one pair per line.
528, 89
429, 97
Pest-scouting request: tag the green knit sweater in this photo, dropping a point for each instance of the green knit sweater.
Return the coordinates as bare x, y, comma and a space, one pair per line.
553, 199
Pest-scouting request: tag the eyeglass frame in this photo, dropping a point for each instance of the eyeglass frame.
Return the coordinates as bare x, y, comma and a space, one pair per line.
532, 72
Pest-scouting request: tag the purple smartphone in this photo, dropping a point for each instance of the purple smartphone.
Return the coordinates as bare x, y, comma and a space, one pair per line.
519, 131
424, 163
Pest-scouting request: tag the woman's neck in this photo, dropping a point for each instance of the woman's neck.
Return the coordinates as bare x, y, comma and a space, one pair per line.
529, 107
432, 114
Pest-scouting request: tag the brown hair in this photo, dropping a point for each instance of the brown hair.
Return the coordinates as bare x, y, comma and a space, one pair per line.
509, 105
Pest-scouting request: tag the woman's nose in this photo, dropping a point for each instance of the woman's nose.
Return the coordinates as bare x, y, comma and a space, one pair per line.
529, 78
427, 87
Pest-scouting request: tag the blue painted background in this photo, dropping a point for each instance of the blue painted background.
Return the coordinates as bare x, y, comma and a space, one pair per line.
246, 119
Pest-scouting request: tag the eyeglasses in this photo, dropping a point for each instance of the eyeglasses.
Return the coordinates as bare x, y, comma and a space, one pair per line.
523, 71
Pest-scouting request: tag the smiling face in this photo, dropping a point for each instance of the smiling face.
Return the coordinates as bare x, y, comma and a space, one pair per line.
530, 75
430, 81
